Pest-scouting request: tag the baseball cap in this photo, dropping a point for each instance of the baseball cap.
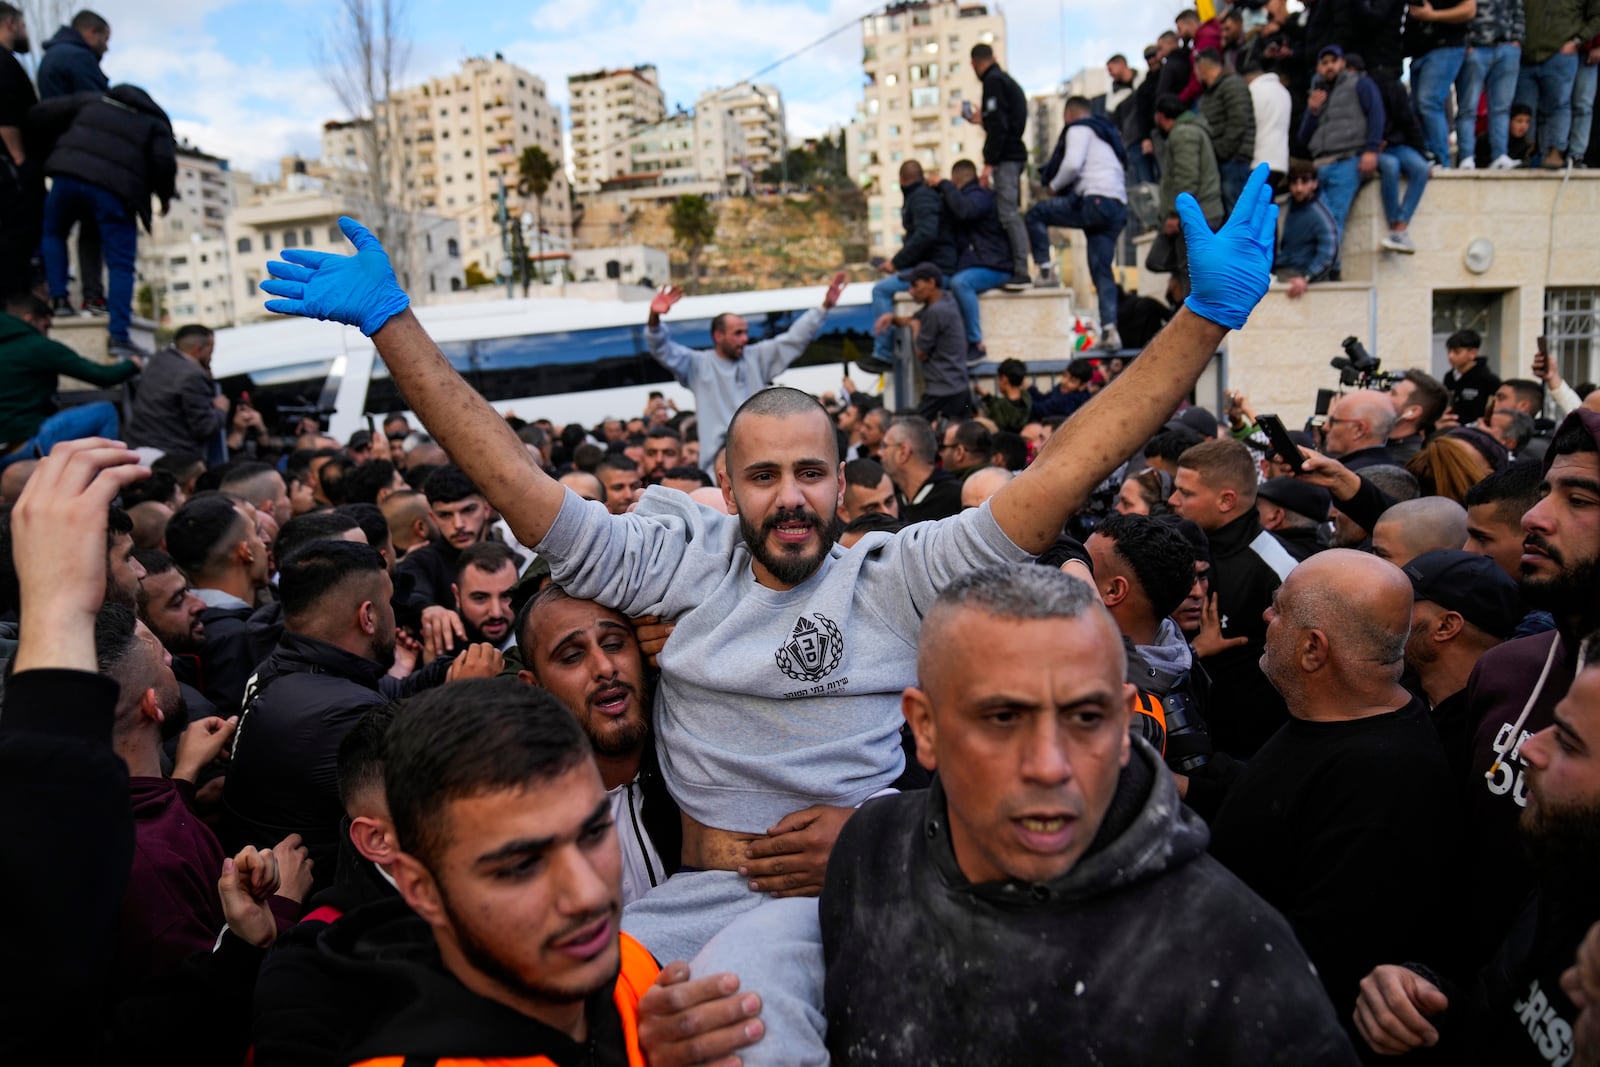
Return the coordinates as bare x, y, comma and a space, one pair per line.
1472, 585
1302, 498
1197, 419
1331, 50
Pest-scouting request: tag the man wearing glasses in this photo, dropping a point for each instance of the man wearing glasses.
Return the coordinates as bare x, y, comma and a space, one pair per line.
1357, 429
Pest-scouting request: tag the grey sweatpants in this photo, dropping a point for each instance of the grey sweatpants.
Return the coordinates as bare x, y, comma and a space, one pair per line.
1007, 181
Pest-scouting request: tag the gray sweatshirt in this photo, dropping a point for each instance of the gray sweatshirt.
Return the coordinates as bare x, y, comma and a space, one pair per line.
721, 385
770, 701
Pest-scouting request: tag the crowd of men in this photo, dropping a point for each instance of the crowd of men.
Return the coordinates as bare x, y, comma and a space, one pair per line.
1091, 727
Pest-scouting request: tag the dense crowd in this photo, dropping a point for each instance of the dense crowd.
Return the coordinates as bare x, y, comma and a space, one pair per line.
440, 743
1067, 721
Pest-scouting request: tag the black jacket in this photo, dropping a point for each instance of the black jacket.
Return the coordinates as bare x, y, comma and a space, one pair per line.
431, 569
119, 140
172, 408
230, 655
1362, 458
1470, 392
930, 233
977, 224
283, 777
1144, 110
70, 66
1247, 566
1118, 961
1348, 828
1005, 116
937, 498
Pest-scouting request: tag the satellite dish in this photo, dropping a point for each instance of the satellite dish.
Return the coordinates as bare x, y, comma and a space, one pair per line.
1480, 255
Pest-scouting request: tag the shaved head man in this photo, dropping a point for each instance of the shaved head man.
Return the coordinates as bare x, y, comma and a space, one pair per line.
1357, 778
1413, 527
584, 484
411, 521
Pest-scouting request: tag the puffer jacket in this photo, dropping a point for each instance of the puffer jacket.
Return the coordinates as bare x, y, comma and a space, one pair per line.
119, 140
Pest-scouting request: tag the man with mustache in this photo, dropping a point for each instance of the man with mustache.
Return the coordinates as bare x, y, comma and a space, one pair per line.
1515, 687
485, 574
780, 688
588, 657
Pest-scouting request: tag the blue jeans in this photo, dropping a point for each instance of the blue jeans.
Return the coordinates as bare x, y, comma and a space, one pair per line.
1392, 163
1101, 219
884, 291
1547, 88
1432, 75
1234, 174
1141, 168
1492, 69
1583, 90
1339, 183
118, 242
86, 420
965, 285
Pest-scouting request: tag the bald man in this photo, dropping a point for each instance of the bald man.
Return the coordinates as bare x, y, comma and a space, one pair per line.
1413, 527
982, 484
1358, 428
1343, 820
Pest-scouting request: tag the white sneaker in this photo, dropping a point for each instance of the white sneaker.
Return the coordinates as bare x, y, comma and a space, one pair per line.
1467, 164
1048, 279
1110, 341
1503, 163
1399, 241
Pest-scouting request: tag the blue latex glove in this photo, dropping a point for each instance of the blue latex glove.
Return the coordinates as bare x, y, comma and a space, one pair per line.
1229, 270
358, 290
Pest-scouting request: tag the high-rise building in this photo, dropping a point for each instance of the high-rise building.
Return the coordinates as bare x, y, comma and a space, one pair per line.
606, 107
184, 263
915, 57
740, 132
452, 141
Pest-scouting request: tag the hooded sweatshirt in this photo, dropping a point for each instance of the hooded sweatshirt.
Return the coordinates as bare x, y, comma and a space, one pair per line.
70, 66
1145, 951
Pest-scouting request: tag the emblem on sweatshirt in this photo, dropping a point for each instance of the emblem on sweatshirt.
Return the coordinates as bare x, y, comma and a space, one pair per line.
813, 650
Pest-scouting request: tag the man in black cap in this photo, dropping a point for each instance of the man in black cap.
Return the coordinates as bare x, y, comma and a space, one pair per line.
1465, 605
1296, 514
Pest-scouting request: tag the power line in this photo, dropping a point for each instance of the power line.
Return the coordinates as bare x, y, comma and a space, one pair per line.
824, 39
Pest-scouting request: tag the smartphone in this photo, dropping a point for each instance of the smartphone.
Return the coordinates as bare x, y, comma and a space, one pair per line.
1541, 359
1282, 443
966, 110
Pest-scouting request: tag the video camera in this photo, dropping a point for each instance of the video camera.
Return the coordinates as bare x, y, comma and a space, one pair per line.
1359, 368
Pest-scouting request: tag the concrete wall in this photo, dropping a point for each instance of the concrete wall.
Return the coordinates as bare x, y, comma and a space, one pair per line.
1541, 226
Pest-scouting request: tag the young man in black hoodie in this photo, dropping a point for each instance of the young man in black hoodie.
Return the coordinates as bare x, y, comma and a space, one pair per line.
507, 941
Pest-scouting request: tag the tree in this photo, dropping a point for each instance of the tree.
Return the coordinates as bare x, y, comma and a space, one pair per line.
363, 57
694, 225
475, 276
534, 172
42, 17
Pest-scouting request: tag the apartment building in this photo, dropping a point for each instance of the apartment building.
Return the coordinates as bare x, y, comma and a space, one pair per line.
303, 212
741, 131
915, 58
456, 137
606, 107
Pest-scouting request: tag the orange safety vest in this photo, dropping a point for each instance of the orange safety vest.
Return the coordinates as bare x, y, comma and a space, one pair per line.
639, 971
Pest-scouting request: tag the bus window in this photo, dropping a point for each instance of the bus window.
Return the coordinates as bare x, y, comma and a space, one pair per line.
383, 396
282, 393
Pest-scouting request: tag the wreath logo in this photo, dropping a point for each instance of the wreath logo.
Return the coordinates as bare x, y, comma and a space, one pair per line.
813, 650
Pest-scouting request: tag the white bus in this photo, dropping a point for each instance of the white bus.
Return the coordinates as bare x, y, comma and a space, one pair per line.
567, 360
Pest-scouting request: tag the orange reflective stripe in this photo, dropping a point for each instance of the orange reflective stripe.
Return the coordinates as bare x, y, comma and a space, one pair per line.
451, 1061
1150, 704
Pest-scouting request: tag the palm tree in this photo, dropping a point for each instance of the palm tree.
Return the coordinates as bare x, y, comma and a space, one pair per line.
534, 171
694, 225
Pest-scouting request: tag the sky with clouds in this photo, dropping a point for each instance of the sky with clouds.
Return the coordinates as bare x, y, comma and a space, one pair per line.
242, 79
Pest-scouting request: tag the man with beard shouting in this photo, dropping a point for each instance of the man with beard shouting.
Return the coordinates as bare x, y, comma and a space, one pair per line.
780, 689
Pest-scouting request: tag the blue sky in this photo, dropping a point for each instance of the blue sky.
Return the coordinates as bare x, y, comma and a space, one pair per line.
241, 79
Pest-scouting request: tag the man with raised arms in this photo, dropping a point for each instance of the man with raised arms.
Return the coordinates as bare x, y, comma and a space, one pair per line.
780, 689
